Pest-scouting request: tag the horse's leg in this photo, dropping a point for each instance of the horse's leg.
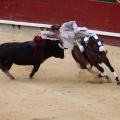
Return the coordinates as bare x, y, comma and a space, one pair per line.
102, 74
107, 63
93, 73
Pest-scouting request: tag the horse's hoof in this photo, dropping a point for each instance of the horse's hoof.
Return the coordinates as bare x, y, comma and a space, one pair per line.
118, 83
12, 78
106, 77
106, 51
99, 75
88, 66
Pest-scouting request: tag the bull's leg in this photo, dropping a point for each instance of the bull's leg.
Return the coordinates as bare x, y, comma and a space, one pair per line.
107, 62
9, 75
5, 66
102, 74
35, 69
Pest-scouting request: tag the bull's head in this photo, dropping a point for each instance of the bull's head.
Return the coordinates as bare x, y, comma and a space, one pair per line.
60, 50
54, 48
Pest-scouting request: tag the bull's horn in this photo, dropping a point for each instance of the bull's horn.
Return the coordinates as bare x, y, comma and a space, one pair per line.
60, 46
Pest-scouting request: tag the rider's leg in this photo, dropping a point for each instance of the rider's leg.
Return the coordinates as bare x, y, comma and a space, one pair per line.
78, 38
84, 54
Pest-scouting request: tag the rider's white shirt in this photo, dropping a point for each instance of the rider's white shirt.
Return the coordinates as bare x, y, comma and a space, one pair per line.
67, 40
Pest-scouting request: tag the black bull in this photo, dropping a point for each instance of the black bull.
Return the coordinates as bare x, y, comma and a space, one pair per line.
23, 54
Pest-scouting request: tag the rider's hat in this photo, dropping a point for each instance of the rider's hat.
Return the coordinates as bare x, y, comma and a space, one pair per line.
55, 27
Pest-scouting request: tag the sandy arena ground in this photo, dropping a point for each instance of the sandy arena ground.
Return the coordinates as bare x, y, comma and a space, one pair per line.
59, 90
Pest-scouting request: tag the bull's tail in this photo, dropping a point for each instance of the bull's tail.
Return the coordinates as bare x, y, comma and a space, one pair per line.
0, 64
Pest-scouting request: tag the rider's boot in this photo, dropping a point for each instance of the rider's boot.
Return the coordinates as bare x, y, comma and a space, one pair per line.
86, 59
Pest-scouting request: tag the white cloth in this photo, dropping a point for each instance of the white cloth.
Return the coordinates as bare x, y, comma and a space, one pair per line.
101, 48
99, 43
81, 48
86, 39
67, 40
95, 36
47, 33
71, 26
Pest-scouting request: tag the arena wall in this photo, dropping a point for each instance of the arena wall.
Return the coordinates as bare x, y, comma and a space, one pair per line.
102, 16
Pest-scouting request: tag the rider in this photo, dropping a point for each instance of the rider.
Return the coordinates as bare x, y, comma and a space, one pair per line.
69, 34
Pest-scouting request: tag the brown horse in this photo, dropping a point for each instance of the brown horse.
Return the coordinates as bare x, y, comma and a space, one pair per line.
95, 58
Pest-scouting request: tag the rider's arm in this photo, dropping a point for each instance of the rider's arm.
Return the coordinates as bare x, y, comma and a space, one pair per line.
48, 34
